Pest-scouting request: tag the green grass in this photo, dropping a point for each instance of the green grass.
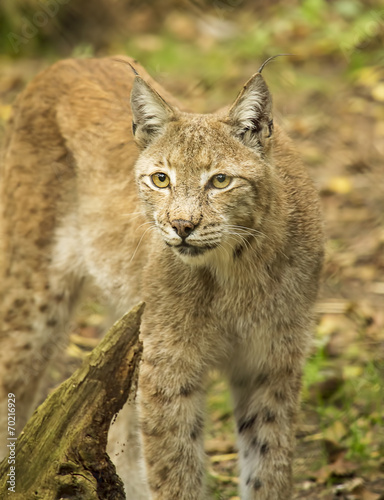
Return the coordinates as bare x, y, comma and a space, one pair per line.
352, 416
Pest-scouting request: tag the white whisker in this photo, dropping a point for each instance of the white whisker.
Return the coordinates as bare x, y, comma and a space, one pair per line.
243, 240
146, 223
246, 230
222, 247
133, 215
141, 239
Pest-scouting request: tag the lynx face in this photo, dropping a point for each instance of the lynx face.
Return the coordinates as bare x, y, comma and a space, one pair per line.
207, 201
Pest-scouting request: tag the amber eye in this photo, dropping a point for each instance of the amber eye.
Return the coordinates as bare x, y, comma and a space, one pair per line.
160, 180
221, 181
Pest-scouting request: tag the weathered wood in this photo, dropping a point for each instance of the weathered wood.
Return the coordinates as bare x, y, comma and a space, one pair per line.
61, 452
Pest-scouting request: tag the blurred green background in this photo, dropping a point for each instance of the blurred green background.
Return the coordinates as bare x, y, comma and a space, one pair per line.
329, 95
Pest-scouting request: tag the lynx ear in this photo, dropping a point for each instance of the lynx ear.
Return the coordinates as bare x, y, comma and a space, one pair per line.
251, 113
150, 112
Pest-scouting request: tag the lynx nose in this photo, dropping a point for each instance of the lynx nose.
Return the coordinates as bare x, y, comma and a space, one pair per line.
183, 227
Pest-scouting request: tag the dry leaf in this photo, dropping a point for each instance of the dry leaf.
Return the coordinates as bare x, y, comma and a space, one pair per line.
352, 371
335, 432
350, 486
340, 185
5, 112
74, 351
222, 478
85, 341
340, 468
378, 92
224, 458
219, 445
358, 489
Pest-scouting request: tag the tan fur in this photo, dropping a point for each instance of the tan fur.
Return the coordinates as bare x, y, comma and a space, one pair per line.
77, 204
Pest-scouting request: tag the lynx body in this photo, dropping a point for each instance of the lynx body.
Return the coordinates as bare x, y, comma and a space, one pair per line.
210, 219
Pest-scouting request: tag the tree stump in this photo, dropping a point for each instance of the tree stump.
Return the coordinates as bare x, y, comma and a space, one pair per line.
61, 452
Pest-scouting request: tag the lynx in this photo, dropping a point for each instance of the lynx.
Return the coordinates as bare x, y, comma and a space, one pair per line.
210, 219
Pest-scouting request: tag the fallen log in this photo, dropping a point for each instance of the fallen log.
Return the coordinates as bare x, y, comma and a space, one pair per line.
61, 452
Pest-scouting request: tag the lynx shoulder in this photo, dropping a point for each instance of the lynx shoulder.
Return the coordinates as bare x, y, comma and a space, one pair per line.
211, 219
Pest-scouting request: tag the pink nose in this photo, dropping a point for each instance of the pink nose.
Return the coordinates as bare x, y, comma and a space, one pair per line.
183, 227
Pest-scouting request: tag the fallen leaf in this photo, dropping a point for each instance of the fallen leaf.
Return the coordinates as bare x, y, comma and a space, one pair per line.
369, 495
349, 486
352, 372
5, 112
86, 341
340, 185
340, 468
219, 445
224, 458
74, 351
222, 478
378, 288
334, 451
335, 432
378, 92
313, 437
343, 468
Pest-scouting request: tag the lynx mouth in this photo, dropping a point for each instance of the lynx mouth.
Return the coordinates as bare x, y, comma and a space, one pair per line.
191, 250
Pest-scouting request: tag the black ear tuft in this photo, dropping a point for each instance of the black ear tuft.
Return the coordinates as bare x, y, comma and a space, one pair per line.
271, 59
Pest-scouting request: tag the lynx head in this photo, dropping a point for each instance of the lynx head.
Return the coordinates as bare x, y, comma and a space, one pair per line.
205, 179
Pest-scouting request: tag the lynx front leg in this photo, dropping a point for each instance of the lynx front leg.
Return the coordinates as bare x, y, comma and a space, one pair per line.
171, 400
265, 410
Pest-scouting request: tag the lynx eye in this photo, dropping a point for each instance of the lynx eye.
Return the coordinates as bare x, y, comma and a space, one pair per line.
160, 180
221, 181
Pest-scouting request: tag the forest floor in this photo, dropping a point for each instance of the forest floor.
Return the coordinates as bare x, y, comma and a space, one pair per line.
330, 99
